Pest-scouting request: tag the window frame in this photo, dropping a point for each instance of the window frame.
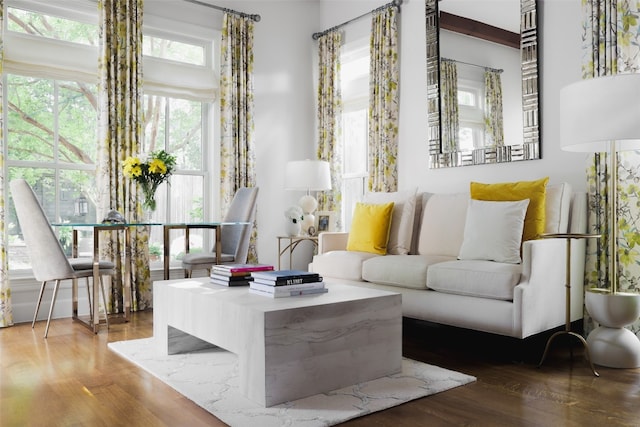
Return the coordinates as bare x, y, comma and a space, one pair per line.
472, 117
355, 97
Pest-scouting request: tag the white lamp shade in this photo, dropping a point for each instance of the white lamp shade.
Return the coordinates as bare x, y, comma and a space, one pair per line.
597, 111
308, 175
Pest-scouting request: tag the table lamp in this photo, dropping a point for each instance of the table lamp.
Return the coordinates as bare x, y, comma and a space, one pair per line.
308, 175
602, 114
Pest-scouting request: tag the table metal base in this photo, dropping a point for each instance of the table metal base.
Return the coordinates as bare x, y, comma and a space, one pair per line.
580, 338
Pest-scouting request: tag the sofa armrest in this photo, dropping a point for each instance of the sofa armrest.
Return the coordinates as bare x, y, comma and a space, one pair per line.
540, 298
332, 241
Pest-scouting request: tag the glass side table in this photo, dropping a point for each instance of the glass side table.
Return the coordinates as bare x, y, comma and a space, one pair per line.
567, 326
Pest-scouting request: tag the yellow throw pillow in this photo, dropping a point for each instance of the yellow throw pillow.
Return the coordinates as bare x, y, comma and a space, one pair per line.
370, 228
535, 191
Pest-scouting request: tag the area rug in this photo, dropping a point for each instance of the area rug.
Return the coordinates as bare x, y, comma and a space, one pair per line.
209, 378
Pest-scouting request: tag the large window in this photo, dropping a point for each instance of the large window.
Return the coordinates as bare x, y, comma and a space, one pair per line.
354, 79
470, 101
176, 125
51, 119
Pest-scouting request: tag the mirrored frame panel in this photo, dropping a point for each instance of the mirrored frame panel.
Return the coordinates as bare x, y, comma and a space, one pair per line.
529, 149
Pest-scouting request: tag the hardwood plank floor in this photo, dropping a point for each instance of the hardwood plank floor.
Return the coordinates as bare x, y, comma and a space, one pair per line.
72, 379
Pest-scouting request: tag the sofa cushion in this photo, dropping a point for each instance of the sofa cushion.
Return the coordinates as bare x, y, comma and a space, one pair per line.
535, 191
442, 226
341, 264
370, 228
405, 271
557, 208
484, 279
493, 231
404, 207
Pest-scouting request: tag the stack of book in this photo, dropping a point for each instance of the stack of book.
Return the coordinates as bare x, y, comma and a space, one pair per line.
286, 283
236, 274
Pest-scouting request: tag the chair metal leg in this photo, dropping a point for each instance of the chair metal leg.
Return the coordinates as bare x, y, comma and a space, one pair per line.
53, 303
35, 315
89, 299
104, 301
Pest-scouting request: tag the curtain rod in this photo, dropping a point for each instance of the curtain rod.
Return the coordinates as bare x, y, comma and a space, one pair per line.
394, 3
255, 18
495, 70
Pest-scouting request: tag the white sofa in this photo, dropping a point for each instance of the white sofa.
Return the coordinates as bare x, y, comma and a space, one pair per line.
517, 300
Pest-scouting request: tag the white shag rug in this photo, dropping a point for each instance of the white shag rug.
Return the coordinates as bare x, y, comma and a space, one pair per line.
209, 378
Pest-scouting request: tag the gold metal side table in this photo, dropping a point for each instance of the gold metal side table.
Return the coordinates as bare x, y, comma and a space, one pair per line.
293, 242
567, 326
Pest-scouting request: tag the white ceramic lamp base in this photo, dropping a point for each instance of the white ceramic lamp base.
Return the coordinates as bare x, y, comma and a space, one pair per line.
308, 222
611, 344
309, 205
614, 347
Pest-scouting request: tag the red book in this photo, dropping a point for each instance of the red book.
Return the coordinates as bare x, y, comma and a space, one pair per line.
239, 269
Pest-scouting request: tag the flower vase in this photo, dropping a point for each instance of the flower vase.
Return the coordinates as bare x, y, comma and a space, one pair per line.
293, 228
149, 191
150, 202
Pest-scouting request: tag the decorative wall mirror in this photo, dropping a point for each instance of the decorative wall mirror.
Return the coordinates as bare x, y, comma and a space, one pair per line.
476, 46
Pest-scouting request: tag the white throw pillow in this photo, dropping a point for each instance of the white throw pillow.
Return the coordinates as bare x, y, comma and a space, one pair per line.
402, 221
442, 229
557, 208
493, 231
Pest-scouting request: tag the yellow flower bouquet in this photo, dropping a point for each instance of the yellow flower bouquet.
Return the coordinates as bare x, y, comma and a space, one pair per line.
150, 174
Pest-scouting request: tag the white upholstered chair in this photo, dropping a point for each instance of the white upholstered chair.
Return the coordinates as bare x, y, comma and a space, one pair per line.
48, 261
234, 238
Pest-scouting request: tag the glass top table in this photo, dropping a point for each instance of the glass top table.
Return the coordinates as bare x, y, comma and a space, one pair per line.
126, 227
186, 226
94, 318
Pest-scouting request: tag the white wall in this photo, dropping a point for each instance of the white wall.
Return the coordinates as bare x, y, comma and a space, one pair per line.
284, 111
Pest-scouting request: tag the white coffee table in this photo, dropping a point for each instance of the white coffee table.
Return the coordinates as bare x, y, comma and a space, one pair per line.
288, 348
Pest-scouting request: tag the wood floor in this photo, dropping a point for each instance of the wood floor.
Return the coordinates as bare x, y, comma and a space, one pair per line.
72, 379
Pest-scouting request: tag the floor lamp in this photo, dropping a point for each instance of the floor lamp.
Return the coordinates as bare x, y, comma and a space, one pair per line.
602, 114
308, 175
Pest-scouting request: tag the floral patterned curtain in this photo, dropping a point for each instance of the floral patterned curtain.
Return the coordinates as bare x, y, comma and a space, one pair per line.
384, 79
120, 136
493, 123
237, 146
610, 46
449, 108
329, 118
6, 312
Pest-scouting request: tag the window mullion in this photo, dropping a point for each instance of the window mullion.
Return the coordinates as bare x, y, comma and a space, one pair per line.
167, 137
56, 146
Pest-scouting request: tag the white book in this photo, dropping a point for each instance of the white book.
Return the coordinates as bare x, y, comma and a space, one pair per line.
286, 288
290, 293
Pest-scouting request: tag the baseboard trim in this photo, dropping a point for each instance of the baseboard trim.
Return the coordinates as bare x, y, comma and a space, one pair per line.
24, 295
